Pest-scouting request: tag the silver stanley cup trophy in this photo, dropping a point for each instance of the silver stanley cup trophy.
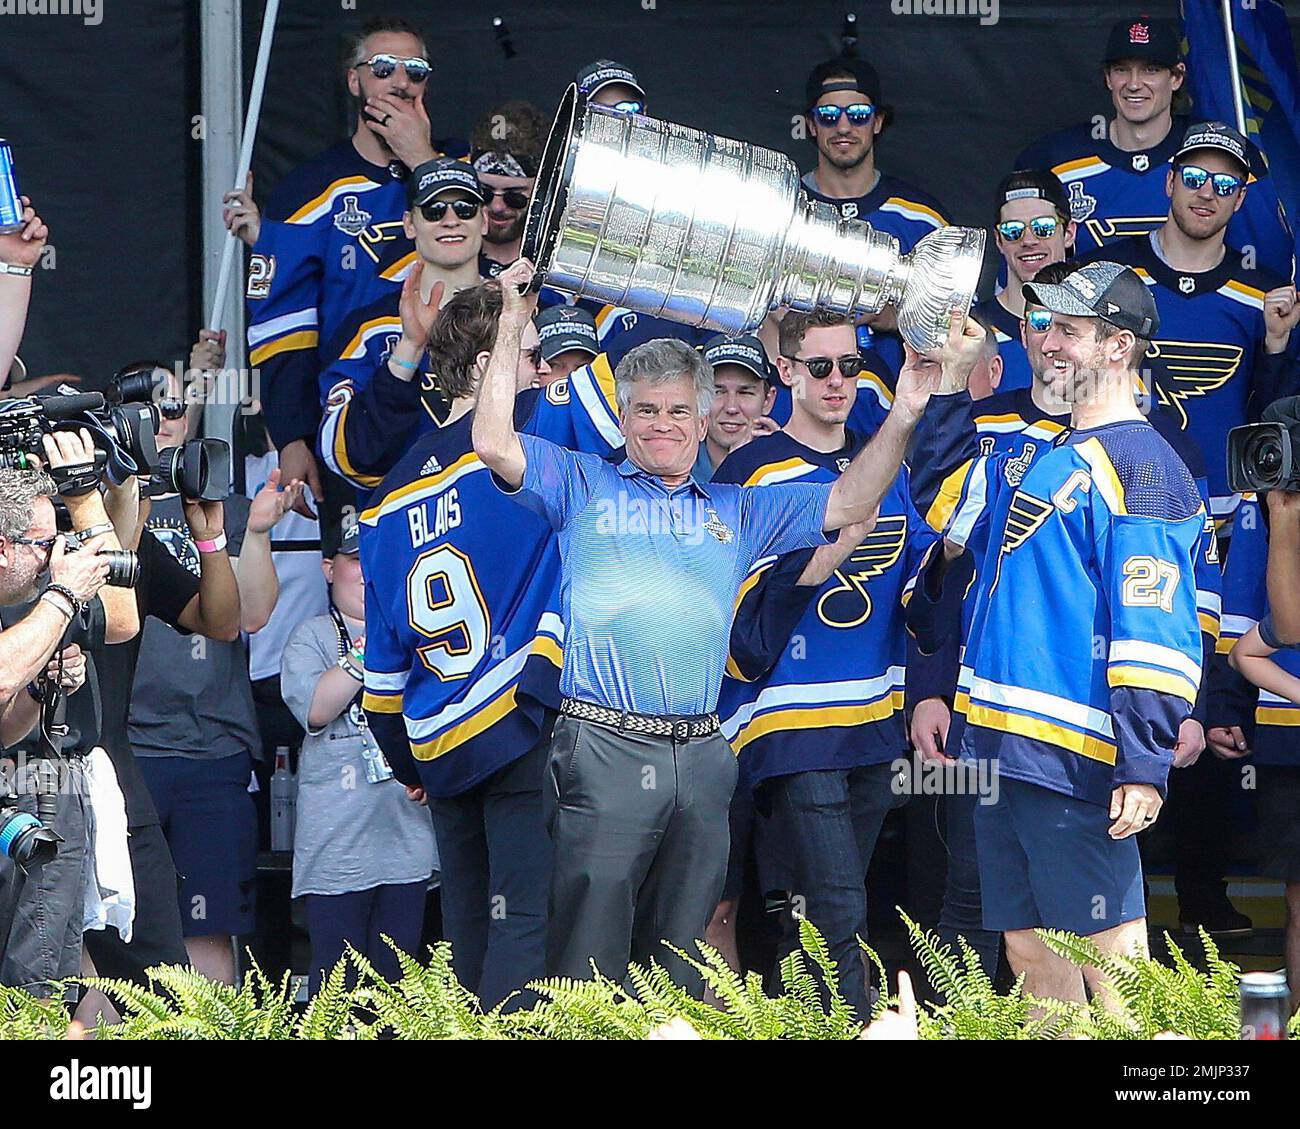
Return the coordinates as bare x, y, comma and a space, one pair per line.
703, 230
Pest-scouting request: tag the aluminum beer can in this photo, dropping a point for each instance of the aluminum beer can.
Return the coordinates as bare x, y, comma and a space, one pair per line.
11, 203
1265, 1005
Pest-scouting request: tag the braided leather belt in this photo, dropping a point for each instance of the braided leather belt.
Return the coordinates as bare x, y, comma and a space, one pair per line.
681, 728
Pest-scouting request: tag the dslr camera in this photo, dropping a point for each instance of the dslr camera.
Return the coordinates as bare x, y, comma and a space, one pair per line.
1266, 456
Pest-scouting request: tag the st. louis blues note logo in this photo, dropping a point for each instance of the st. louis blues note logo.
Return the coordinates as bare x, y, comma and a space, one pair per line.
1184, 369
848, 603
1025, 517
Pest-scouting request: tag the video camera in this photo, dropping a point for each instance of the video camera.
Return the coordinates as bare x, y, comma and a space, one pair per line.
123, 423
1266, 456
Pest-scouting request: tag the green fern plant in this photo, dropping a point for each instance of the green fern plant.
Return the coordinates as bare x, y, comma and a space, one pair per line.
427, 1002
24, 1016
1147, 997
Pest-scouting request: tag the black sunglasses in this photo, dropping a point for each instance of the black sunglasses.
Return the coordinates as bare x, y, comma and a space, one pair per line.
515, 198
382, 66
464, 209
819, 368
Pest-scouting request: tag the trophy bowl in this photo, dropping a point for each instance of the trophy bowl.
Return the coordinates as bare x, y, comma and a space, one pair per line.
707, 231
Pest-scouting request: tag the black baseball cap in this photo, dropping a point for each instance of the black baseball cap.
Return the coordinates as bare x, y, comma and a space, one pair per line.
561, 328
431, 179
743, 349
820, 81
1217, 135
604, 72
1141, 37
1100, 290
345, 538
1033, 184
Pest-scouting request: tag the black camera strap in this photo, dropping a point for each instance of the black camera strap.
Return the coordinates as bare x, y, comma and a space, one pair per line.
77, 479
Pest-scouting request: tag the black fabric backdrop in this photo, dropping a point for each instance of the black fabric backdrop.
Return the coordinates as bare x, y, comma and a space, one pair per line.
100, 117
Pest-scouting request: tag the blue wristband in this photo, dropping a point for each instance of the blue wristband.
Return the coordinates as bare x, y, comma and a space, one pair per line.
403, 364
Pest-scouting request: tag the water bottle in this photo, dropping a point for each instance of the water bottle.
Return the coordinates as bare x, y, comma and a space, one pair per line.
284, 801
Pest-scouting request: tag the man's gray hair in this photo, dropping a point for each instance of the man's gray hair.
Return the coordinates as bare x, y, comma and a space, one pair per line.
658, 362
19, 490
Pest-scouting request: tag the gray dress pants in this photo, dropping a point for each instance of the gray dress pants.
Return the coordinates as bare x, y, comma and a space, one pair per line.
640, 835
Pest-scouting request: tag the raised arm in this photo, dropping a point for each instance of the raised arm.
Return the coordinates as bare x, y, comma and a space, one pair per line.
857, 492
495, 440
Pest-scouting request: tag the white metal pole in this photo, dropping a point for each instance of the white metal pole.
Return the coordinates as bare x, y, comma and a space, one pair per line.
245, 155
1238, 107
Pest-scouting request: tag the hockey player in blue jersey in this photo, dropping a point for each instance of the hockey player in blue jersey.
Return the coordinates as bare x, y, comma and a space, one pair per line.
1033, 229
1225, 349
1084, 655
446, 221
463, 651
1115, 173
331, 238
1022, 426
846, 114
813, 705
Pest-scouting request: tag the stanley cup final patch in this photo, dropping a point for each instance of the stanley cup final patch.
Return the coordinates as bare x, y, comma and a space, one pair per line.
716, 527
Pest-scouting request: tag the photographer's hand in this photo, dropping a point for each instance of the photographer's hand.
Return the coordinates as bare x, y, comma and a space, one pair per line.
73, 677
207, 520
83, 573
70, 459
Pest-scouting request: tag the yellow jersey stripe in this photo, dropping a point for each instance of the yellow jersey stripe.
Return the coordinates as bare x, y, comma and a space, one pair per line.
381, 703
306, 339
356, 347
420, 484
1036, 729
471, 727
818, 717
337, 186
1144, 678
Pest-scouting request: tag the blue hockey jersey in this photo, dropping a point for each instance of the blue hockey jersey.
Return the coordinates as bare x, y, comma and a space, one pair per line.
1084, 653
331, 241
1010, 426
1114, 194
815, 674
1276, 737
893, 206
1208, 362
463, 634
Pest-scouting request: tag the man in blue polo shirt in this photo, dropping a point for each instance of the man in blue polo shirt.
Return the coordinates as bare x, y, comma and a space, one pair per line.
651, 562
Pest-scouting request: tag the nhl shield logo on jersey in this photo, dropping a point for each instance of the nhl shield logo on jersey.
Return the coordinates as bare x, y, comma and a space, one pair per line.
1081, 204
351, 220
1141, 162
1186, 284
849, 210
